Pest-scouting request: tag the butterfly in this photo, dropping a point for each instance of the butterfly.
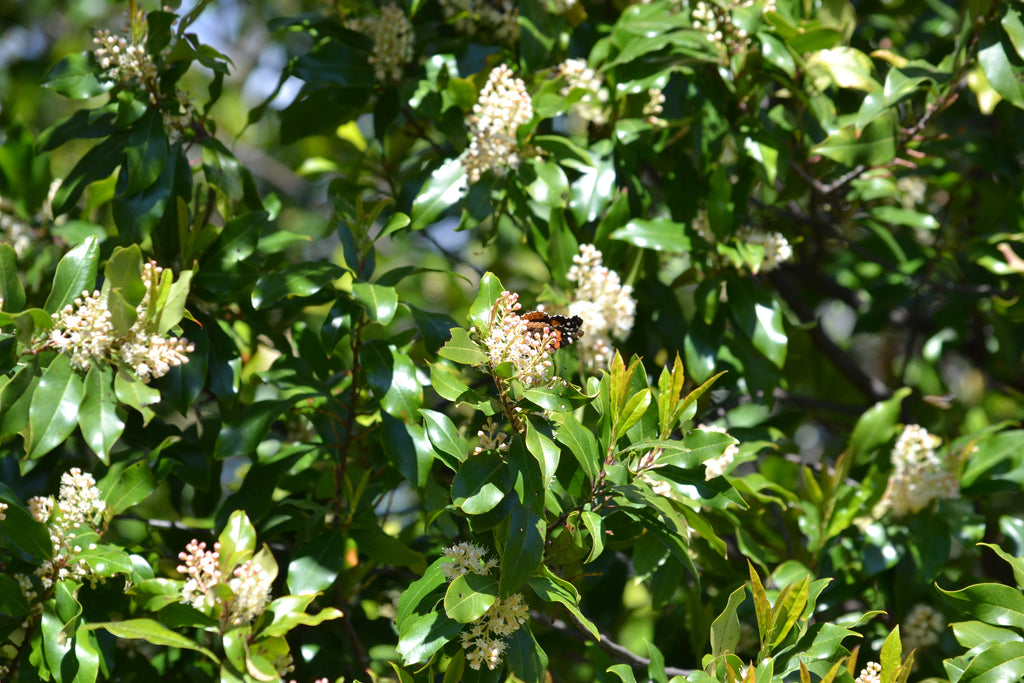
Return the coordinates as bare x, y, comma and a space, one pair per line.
565, 330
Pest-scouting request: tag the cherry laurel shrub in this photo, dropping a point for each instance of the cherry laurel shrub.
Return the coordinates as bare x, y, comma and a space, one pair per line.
543, 341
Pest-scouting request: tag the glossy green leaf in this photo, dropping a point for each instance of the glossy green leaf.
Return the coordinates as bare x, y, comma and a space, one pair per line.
481, 483
237, 540
98, 416
992, 603
444, 188
299, 280
526, 659
552, 588
53, 413
153, 632
462, 349
661, 234
997, 662
544, 450
581, 443
74, 77
76, 272
317, 565
125, 485
876, 426
380, 303
874, 146
523, 551
469, 596
424, 635
1003, 67
289, 611
11, 289
99, 163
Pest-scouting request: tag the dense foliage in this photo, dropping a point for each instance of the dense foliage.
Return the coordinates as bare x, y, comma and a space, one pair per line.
273, 405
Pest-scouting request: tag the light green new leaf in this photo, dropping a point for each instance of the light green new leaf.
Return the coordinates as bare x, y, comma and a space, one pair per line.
289, 611
154, 632
463, 350
481, 483
237, 540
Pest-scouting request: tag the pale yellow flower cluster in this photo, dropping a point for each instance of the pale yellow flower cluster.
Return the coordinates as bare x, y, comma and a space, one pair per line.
921, 627
393, 37
3, 511
509, 341
124, 62
503, 106
605, 304
484, 639
498, 19
78, 505
13, 229
871, 673
468, 558
251, 587
919, 475
202, 567
578, 76
777, 249
85, 331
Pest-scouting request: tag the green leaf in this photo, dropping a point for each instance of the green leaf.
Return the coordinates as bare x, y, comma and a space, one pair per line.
385, 550
404, 395
426, 634
380, 303
76, 273
153, 632
997, 662
876, 426
447, 382
74, 77
421, 595
444, 435
582, 444
463, 350
595, 525
126, 484
544, 450
299, 280
552, 588
316, 565
97, 164
760, 318
53, 413
444, 188
242, 434
11, 289
725, 629
481, 483
289, 611
527, 661
237, 540
874, 146
1003, 67
660, 234
469, 596
480, 310
524, 549
98, 414
992, 603
146, 152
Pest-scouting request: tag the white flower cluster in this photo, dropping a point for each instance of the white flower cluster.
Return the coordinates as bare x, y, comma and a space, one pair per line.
85, 330
491, 438
871, 673
3, 511
251, 587
655, 106
124, 62
78, 505
578, 76
777, 249
498, 19
484, 639
509, 340
919, 475
202, 567
13, 229
502, 107
469, 558
607, 306
716, 467
392, 35
921, 627
563, 6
